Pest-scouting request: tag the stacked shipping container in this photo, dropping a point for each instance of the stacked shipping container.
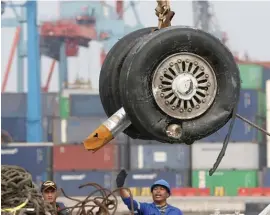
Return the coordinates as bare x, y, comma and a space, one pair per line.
246, 151
14, 115
74, 166
237, 169
35, 158
181, 165
151, 160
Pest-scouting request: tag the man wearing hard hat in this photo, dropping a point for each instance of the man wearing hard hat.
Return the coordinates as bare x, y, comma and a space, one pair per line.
160, 192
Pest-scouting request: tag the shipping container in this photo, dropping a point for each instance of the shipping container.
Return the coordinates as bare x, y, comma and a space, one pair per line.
75, 157
261, 104
159, 155
252, 103
56, 131
242, 132
47, 124
35, 158
15, 104
39, 177
16, 127
262, 155
80, 128
50, 104
238, 156
64, 107
224, 182
266, 177
251, 76
86, 106
145, 178
70, 181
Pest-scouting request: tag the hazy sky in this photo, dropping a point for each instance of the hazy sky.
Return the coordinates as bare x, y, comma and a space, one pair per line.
246, 23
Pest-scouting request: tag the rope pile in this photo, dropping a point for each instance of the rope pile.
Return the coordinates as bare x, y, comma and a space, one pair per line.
18, 191
104, 204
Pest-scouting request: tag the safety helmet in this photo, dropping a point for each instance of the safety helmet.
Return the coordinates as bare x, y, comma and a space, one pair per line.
162, 183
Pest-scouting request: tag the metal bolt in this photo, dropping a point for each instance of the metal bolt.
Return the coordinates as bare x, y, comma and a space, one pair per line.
202, 68
173, 107
181, 110
207, 94
166, 102
161, 77
174, 131
162, 95
187, 60
189, 110
160, 86
171, 64
195, 63
206, 75
165, 70
197, 106
179, 61
208, 84
203, 100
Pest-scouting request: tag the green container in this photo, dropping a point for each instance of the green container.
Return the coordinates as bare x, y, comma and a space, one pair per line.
224, 183
262, 104
261, 137
251, 76
64, 107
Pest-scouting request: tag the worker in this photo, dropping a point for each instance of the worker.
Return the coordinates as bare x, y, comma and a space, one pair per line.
160, 193
49, 193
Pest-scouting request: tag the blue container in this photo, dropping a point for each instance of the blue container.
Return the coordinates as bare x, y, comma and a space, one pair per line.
80, 128
39, 177
155, 155
266, 177
86, 106
16, 127
47, 124
13, 104
145, 178
248, 103
50, 105
70, 181
242, 132
35, 159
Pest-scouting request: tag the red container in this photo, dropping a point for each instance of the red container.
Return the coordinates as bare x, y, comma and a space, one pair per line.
75, 157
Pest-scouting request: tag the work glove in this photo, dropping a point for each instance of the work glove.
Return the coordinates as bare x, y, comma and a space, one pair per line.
121, 177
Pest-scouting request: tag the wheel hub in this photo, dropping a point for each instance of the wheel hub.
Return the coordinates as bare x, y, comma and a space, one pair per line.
184, 85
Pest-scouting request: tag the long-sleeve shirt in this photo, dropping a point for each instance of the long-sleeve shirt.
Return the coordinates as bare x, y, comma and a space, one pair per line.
144, 208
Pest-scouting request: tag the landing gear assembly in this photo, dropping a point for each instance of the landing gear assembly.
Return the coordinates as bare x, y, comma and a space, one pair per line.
171, 84
176, 85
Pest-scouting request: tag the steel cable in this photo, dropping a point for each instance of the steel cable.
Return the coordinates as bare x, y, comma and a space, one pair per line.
104, 204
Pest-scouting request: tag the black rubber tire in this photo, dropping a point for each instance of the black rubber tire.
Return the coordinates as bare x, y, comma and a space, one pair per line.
110, 74
136, 81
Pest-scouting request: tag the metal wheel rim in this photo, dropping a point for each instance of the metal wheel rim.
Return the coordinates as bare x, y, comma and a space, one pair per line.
184, 85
